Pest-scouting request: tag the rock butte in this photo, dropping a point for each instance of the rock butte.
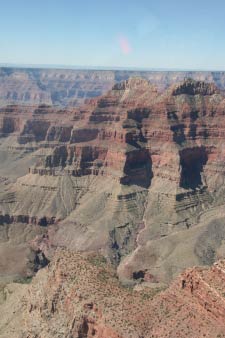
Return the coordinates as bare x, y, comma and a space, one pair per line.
136, 175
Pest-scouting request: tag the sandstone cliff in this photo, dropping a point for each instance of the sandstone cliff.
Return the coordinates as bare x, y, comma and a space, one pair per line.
136, 174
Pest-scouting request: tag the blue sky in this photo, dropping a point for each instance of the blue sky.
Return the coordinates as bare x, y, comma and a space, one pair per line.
136, 33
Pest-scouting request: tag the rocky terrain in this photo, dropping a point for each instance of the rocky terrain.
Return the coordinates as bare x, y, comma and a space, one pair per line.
120, 195
78, 296
136, 174
72, 87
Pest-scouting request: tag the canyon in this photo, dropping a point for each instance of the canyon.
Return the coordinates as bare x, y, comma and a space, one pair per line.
72, 87
116, 195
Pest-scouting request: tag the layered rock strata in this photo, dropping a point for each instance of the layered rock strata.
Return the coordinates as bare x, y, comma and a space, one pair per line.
136, 174
65, 87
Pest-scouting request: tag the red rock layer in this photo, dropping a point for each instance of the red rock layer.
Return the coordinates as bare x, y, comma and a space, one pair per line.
77, 296
164, 152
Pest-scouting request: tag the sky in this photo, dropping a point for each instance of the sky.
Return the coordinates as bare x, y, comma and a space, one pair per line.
159, 34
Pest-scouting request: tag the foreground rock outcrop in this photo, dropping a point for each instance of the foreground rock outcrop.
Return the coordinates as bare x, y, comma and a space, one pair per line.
78, 296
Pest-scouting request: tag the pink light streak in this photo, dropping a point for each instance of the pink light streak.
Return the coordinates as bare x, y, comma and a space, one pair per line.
125, 45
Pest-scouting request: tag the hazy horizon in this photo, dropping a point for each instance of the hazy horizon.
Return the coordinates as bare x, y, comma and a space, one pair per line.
103, 68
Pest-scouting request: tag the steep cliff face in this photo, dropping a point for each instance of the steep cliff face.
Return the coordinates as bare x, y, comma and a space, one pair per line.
185, 143
136, 173
80, 296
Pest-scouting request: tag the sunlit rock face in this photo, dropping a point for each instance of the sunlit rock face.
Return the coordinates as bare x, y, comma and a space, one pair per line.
137, 173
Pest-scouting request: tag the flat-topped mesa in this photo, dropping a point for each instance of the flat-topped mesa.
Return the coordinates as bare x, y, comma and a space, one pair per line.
192, 87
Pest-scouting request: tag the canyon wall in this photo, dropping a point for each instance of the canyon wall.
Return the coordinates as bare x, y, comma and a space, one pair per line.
137, 174
73, 87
